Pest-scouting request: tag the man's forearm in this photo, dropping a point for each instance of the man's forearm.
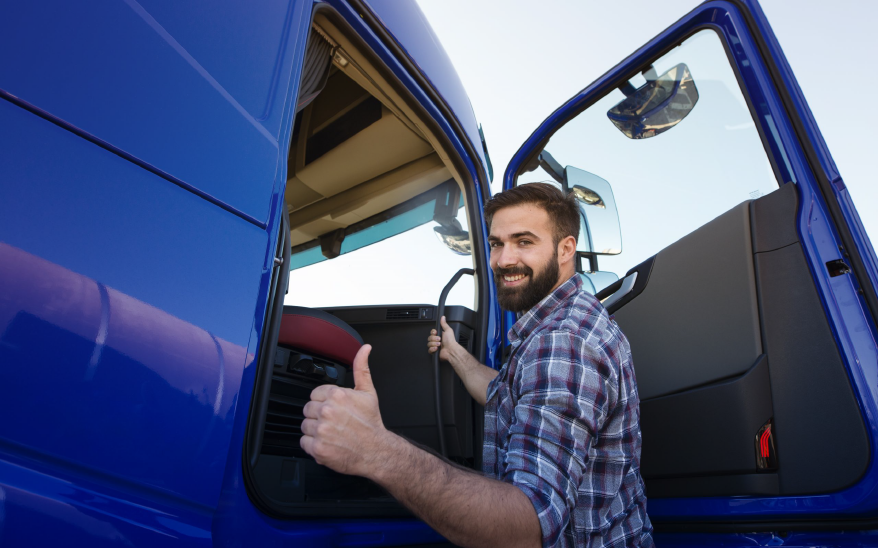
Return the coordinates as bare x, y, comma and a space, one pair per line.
475, 376
470, 510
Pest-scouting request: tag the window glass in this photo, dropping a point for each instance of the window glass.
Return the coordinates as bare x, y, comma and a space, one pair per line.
669, 183
399, 260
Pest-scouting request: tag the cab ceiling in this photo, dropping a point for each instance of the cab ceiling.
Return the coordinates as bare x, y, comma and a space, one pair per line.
357, 150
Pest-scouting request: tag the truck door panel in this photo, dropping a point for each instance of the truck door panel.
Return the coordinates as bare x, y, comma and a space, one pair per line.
715, 363
205, 90
752, 319
704, 285
116, 365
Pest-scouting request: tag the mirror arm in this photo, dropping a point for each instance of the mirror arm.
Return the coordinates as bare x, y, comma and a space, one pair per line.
445, 210
628, 89
553, 168
592, 261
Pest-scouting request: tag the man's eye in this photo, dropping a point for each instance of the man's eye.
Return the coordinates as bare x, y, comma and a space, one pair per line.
524, 242
495, 244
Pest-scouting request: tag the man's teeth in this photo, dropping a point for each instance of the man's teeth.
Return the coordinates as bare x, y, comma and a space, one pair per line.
513, 278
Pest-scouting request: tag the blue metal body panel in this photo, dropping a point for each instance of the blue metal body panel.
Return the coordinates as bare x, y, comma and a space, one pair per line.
196, 91
139, 212
121, 371
853, 326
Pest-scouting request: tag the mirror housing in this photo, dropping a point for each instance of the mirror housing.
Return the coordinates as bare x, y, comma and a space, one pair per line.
657, 106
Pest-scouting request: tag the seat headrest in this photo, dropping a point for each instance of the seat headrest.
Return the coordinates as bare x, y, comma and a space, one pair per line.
319, 333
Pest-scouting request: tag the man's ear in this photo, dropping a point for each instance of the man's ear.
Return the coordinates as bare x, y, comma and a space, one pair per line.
566, 250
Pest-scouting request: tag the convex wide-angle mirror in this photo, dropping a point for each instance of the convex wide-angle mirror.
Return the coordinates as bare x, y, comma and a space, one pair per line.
656, 106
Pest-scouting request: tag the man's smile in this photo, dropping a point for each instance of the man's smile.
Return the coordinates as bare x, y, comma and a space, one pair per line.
512, 280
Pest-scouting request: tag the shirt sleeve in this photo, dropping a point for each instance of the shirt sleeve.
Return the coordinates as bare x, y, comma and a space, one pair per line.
564, 389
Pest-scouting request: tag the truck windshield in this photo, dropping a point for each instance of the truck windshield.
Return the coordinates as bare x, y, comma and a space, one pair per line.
391, 258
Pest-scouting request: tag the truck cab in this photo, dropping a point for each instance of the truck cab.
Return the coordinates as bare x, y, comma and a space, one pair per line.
205, 211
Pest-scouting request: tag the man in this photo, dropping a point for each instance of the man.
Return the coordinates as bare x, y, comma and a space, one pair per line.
562, 431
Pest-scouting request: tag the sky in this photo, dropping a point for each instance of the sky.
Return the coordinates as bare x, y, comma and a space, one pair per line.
519, 60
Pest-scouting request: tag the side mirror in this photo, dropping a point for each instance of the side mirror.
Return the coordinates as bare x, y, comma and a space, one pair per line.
449, 231
657, 106
454, 237
600, 232
600, 280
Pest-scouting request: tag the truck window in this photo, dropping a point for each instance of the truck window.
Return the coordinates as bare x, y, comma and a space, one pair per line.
394, 258
668, 185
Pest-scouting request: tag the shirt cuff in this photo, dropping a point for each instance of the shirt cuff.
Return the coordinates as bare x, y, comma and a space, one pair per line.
546, 503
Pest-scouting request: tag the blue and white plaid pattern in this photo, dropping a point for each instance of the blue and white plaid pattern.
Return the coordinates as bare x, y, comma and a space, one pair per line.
562, 423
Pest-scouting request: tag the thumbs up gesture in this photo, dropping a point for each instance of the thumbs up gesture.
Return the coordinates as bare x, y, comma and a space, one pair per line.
342, 427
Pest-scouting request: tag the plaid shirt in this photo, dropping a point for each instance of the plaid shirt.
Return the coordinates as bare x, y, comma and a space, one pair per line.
562, 423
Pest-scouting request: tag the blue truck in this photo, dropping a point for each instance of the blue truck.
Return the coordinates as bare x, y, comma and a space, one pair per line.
191, 192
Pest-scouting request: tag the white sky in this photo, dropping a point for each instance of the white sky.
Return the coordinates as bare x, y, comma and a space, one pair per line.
519, 60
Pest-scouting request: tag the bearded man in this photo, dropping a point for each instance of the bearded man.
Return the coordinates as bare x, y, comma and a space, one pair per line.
561, 457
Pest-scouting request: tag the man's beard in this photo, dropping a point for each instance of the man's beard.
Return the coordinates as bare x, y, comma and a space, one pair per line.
524, 297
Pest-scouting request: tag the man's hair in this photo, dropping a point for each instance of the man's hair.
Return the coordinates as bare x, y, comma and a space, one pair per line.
563, 210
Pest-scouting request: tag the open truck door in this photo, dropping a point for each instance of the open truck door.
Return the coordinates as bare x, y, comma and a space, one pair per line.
719, 233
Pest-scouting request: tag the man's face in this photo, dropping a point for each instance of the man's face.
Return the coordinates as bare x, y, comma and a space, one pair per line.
524, 257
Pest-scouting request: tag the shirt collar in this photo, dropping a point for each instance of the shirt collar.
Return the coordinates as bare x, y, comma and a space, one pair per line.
533, 317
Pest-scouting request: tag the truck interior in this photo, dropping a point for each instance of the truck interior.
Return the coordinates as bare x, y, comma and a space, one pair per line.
365, 170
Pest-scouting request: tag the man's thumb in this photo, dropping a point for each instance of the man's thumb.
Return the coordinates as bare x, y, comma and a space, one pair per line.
444, 324
362, 374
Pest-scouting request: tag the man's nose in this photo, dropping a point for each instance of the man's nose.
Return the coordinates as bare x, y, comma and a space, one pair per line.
507, 256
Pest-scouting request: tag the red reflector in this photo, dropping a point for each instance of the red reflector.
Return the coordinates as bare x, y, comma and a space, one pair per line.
763, 442
766, 450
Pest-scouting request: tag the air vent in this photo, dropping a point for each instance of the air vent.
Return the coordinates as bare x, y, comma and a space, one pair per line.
463, 341
283, 420
403, 314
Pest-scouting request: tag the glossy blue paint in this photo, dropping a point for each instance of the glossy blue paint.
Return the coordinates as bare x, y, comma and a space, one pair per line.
853, 326
121, 353
139, 212
193, 90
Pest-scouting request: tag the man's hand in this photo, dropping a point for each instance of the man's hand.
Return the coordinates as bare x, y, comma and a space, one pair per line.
474, 375
449, 348
343, 428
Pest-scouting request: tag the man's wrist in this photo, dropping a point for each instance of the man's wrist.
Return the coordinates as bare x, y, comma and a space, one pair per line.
389, 450
460, 360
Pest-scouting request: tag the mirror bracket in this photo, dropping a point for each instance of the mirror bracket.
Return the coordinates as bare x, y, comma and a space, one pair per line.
592, 259
445, 211
550, 166
330, 243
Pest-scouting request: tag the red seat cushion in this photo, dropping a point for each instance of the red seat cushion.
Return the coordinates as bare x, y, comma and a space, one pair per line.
319, 333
